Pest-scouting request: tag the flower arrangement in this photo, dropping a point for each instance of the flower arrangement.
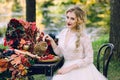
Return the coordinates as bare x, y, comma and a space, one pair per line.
20, 33
24, 43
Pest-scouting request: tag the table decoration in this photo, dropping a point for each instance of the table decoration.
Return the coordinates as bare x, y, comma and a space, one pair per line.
25, 45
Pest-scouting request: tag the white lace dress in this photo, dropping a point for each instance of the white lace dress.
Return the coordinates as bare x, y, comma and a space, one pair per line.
83, 58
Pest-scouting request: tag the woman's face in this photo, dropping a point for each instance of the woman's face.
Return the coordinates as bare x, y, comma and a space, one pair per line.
71, 20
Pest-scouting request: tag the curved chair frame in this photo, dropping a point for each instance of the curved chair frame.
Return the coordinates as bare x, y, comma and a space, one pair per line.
108, 47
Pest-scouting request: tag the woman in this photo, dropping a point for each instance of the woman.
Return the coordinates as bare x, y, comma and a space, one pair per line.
76, 48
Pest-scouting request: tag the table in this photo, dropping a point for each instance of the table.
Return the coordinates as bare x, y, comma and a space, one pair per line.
45, 68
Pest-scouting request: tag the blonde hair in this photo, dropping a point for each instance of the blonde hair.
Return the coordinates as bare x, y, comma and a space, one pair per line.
80, 14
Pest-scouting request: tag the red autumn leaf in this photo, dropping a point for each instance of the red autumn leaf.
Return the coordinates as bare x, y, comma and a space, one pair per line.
22, 41
15, 59
5, 42
10, 42
33, 27
21, 67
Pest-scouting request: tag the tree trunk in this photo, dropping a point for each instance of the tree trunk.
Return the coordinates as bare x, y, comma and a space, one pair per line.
115, 27
31, 10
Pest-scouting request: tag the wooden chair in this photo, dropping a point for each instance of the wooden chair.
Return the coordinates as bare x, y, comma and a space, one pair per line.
107, 51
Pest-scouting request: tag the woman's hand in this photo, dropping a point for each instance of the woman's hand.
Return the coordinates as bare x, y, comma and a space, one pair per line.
47, 37
63, 70
66, 69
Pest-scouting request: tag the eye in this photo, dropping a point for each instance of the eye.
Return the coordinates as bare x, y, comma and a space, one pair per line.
67, 17
72, 18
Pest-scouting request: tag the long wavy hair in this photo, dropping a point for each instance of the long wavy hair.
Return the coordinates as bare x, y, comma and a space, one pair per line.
80, 14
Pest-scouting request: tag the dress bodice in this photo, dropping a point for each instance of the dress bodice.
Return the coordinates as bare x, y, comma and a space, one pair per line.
84, 53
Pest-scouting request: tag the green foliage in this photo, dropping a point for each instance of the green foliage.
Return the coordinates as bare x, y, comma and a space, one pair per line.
2, 1
16, 6
38, 77
99, 15
83, 1
2, 31
3, 47
114, 70
96, 44
45, 12
47, 3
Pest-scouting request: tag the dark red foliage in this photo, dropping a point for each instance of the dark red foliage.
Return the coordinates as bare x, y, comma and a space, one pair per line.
19, 29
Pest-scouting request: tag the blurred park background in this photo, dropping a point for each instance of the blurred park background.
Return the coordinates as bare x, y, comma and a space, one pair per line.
50, 18
50, 14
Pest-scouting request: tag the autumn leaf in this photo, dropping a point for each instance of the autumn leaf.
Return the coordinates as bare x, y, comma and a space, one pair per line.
22, 41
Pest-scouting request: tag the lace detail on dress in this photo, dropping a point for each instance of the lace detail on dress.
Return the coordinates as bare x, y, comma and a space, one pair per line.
84, 53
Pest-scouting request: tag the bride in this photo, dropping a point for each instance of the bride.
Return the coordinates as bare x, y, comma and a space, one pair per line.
76, 48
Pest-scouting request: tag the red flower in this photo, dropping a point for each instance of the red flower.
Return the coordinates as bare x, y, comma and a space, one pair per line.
10, 42
33, 26
5, 42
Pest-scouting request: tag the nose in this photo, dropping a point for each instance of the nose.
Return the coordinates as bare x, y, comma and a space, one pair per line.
68, 20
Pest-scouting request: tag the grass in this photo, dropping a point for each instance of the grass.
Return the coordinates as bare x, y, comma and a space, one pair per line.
97, 44
39, 77
114, 66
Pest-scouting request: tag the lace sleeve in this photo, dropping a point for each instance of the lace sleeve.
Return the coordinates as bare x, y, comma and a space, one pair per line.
88, 51
58, 49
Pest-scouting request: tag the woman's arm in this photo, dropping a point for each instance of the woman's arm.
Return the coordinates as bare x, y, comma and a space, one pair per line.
87, 51
53, 44
87, 60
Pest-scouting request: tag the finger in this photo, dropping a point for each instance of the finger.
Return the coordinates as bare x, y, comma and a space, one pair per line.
59, 73
45, 37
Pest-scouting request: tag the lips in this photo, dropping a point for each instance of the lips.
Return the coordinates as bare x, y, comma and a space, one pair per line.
69, 24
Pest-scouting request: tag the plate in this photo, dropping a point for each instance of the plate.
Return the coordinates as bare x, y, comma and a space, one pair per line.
56, 58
